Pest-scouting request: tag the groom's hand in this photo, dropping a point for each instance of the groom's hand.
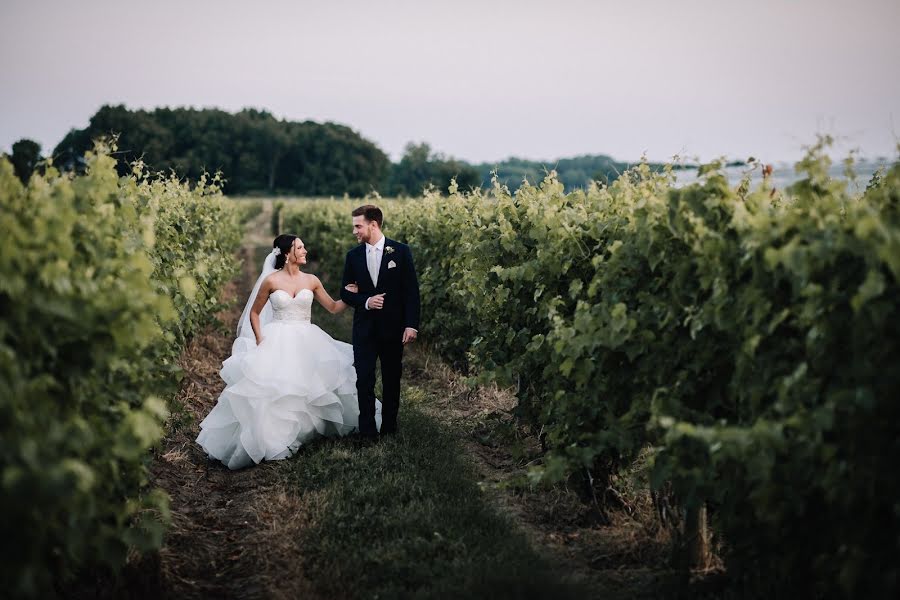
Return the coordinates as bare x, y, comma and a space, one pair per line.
409, 335
375, 302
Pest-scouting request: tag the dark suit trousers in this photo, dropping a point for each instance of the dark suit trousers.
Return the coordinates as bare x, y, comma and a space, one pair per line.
365, 354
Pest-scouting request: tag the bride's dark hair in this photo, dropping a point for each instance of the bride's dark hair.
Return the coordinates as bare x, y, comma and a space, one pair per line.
283, 242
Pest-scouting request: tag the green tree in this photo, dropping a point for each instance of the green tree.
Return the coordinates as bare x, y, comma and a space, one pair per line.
420, 167
575, 172
25, 156
411, 174
254, 150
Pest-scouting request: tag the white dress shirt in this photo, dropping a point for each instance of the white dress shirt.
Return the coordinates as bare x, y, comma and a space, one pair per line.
374, 252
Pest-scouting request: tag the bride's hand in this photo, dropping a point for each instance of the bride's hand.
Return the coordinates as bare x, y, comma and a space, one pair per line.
352, 288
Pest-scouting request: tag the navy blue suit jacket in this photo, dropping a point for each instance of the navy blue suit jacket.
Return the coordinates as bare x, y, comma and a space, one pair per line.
396, 279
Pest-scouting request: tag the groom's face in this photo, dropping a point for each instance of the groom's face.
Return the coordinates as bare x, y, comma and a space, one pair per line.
364, 230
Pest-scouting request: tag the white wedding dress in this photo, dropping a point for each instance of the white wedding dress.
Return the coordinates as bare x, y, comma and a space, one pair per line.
297, 384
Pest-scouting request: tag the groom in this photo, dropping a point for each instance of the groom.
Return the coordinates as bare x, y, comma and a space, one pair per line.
385, 316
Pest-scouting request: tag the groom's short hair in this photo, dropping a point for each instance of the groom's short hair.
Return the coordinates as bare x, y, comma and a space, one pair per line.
370, 212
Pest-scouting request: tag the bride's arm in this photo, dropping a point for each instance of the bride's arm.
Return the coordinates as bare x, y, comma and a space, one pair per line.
261, 298
330, 304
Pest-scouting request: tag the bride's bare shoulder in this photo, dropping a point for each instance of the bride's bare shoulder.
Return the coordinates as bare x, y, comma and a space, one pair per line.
271, 280
313, 280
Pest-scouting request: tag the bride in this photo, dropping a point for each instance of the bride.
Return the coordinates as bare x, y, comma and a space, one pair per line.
287, 381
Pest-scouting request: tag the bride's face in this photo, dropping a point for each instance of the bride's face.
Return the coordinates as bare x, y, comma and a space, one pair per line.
298, 252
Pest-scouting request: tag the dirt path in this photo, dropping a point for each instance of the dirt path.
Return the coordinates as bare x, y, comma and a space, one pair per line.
232, 531
257, 232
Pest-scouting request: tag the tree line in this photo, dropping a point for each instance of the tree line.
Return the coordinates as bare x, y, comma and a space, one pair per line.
258, 153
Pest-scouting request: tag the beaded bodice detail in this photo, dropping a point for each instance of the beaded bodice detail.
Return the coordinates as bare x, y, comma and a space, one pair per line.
288, 308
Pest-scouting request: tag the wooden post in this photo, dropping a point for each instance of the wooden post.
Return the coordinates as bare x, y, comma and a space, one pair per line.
691, 548
696, 538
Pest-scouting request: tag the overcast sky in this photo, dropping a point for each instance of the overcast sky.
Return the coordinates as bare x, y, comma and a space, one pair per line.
480, 80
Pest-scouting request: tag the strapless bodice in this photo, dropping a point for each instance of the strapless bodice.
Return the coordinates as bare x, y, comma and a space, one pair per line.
291, 308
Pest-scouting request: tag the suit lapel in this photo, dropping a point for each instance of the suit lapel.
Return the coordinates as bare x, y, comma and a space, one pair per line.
362, 264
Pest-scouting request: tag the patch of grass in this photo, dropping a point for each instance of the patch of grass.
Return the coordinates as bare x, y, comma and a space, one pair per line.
180, 417
406, 519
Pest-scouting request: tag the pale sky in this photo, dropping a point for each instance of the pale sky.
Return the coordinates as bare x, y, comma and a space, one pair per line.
480, 80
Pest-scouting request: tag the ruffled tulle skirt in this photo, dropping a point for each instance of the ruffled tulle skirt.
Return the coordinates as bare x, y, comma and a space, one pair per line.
299, 383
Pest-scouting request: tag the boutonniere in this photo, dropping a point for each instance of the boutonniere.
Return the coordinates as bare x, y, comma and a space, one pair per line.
389, 249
